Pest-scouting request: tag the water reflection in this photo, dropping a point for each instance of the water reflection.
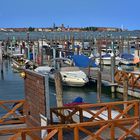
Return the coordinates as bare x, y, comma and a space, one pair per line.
2, 75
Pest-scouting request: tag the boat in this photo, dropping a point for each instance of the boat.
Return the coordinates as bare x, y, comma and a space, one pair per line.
19, 63
110, 51
127, 59
83, 61
71, 76
106, 59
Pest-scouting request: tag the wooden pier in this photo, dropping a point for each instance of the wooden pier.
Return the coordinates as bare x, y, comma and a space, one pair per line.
133, 79
69, 122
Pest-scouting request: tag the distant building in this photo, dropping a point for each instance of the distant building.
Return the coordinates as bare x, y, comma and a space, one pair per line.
62, 28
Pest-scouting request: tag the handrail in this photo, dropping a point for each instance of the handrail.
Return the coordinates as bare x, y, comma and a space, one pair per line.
92, 128
12, 112
57, 131
132, 77
94, 112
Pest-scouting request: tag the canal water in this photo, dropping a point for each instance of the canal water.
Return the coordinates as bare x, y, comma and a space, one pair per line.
11, 85
12, 88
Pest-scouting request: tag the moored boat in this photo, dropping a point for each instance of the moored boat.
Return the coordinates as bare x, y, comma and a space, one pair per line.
106, 60
127, 59
19, 63
71, 76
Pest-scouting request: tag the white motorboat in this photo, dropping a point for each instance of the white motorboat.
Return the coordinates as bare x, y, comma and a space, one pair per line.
110, 51
71, 76
127, 59
106, 60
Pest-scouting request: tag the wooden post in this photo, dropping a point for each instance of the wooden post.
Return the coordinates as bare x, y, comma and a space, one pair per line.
72, 42
41, 55
128, 44
1, 60
20, 48
23, 136
54, 56
58, 86
34, 56
99, 50
112, 71
47, 98
11, 48
125, 90
99, 87
28, 46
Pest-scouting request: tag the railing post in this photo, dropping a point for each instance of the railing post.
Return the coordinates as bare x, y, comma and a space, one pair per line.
76, 133
60, 134
109, 112
125, 92
23, 136
132, 81
137, 109
81, 114
112, 131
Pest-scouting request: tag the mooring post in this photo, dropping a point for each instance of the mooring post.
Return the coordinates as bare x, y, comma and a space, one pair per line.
34, 55
59, 92
1, 59
28, 45
99, 87
125, 90
112, 71
47, 95
54, 56
58, 87
42, 50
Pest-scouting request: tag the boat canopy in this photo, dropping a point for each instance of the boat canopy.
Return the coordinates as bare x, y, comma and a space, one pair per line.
83, 61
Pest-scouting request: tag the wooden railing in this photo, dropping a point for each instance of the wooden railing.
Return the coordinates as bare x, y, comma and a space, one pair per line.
126, 121
11, 112
95, 112
132, 77
80, 131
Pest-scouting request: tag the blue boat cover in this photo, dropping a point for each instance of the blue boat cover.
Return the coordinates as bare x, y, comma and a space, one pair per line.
78, 100
127, 56
83, 61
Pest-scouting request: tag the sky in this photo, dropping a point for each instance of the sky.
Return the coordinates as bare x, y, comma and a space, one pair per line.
71, 13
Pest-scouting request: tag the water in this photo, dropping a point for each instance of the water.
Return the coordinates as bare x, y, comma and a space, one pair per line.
12, 88
11, 85
88, 93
